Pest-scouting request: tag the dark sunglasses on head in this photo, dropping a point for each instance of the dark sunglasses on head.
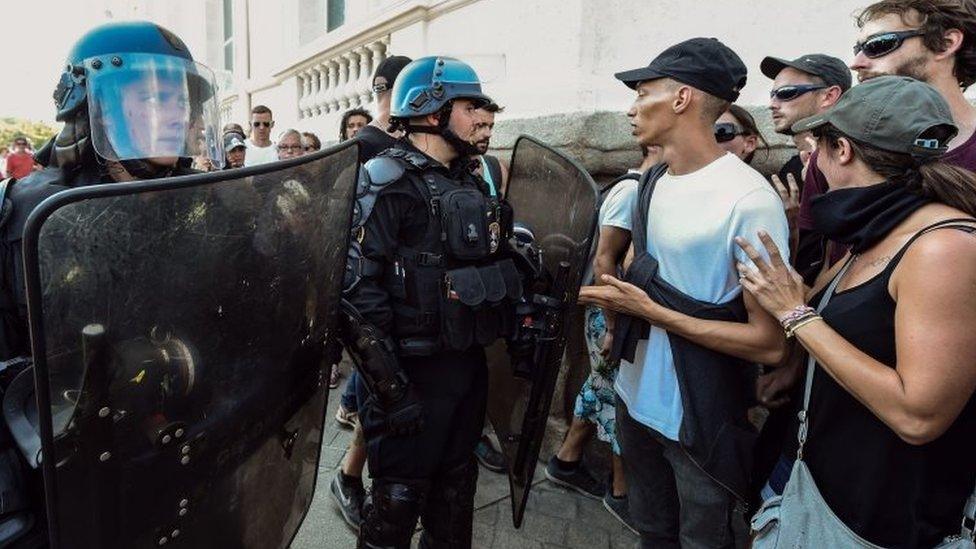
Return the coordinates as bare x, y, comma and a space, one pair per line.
882, 44
726, 131
789, 93
258, 124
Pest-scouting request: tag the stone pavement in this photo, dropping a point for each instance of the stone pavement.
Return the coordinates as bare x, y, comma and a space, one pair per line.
554, 518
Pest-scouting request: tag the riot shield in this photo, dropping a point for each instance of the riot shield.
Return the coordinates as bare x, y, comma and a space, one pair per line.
177, 329
555, 203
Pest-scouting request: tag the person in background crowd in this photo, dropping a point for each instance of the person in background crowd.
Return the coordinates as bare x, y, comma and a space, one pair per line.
891, 406
495, 174
4, 153
289, 145
347, 486
235, 150
376, 137
682, 393
595, 408
490, 168
234, 127
353, 120
737, 133
20, 162
260, 148
311, 142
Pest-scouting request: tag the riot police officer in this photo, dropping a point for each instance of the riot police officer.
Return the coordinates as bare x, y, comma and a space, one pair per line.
135, 106
435, 286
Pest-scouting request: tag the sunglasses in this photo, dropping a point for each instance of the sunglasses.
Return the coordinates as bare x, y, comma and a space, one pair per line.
789, 93
260, 124
726, 131
882, 44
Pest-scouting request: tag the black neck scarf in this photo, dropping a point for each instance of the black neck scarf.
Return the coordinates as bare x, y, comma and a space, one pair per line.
860, 217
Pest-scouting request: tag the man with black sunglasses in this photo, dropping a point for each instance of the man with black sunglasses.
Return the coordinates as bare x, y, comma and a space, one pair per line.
934, 42
803, 87
260, 148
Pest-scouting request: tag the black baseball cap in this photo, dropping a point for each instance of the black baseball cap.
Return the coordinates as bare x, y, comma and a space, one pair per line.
831, 70
389, 69
894, 113
703, 63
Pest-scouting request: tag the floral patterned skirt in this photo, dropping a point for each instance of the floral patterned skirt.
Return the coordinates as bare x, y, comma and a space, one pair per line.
595, 402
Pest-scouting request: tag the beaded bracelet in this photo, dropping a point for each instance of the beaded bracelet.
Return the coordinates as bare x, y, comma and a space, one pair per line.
798, 312
791, 331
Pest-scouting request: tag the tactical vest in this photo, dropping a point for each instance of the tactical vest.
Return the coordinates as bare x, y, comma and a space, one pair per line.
454, 288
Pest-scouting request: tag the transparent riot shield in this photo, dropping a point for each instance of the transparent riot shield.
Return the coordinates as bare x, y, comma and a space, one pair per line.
555, 204
178, 330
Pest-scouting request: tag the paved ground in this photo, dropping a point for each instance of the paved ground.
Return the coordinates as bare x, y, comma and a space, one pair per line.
555, 518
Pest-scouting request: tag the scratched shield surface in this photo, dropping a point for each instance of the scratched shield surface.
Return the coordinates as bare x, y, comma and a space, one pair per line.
180, 334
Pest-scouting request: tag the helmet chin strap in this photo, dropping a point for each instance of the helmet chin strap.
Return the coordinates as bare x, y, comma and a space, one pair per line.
443, 129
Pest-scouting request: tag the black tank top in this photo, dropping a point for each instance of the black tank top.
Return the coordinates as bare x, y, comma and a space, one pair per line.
889, 492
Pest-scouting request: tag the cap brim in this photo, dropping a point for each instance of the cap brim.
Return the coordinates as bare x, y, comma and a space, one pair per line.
633, 77
810, 123
771, 66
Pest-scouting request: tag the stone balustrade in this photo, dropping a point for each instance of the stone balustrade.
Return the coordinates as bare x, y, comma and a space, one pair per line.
337, 82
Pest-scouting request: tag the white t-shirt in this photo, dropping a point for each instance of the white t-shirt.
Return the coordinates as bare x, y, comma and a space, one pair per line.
616, 211
260, 155
692, 221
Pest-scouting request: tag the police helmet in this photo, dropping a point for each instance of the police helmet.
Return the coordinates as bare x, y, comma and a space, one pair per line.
141, 93
427, 84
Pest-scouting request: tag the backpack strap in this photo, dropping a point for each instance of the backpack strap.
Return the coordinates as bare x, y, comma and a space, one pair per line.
648, 182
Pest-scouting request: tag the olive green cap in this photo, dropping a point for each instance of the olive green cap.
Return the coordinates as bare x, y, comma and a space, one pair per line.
894, 113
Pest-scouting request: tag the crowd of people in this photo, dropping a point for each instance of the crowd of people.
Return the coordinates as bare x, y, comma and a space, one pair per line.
721, 306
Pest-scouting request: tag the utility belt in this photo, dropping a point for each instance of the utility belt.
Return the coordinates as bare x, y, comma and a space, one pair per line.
439, 309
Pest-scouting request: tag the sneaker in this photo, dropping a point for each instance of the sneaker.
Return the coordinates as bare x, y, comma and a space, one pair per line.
334, 377
346, 418
349, 496
620, 510
488, 457
579, 479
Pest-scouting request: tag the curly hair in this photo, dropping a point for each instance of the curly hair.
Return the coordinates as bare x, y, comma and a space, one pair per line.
345, 120
935, 17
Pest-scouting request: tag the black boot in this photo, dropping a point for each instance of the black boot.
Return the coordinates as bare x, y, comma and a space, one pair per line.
390, 514
449, 510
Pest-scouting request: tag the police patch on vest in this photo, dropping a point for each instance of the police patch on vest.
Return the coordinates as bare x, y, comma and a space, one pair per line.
494, 236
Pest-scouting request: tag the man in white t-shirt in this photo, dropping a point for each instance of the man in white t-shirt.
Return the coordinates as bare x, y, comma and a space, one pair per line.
260, 148
683, 394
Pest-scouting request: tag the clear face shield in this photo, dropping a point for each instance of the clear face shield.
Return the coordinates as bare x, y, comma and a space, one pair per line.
148, 106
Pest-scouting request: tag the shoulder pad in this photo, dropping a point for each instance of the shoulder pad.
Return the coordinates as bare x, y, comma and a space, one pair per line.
384, 169
28, 193
411, 158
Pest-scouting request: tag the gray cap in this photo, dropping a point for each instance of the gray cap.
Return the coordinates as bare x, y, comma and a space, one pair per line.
893, 113
232, 140
830, 69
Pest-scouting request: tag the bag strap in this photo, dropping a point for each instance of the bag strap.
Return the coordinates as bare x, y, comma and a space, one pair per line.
486, 174
812, 363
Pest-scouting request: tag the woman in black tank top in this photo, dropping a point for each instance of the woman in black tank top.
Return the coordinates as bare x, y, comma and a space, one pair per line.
892, 417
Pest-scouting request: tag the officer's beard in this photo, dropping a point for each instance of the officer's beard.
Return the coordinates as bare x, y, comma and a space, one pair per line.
462, 147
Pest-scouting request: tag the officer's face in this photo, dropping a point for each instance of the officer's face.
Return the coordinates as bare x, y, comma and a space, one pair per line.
465, 119
156, 115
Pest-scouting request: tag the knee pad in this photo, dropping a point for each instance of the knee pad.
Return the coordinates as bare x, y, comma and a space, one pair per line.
390, 513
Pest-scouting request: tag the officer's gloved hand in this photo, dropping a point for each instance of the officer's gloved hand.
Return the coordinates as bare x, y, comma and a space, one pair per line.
405, 415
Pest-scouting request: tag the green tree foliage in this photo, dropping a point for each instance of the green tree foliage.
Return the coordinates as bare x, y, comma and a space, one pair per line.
37, 132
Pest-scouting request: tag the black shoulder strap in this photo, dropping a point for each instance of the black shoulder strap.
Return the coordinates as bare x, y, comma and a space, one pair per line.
944, 224
648, 182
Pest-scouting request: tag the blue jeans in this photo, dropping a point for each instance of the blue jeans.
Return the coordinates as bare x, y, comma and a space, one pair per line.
349, 400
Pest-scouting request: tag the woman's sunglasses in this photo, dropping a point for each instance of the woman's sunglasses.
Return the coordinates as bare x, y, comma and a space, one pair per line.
726, 131
882, 44
789, 93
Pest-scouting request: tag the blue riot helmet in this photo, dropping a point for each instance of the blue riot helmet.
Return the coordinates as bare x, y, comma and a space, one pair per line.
141, 93
430, 85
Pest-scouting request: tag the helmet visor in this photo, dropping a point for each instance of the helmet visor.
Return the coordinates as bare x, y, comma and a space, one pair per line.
144, 106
